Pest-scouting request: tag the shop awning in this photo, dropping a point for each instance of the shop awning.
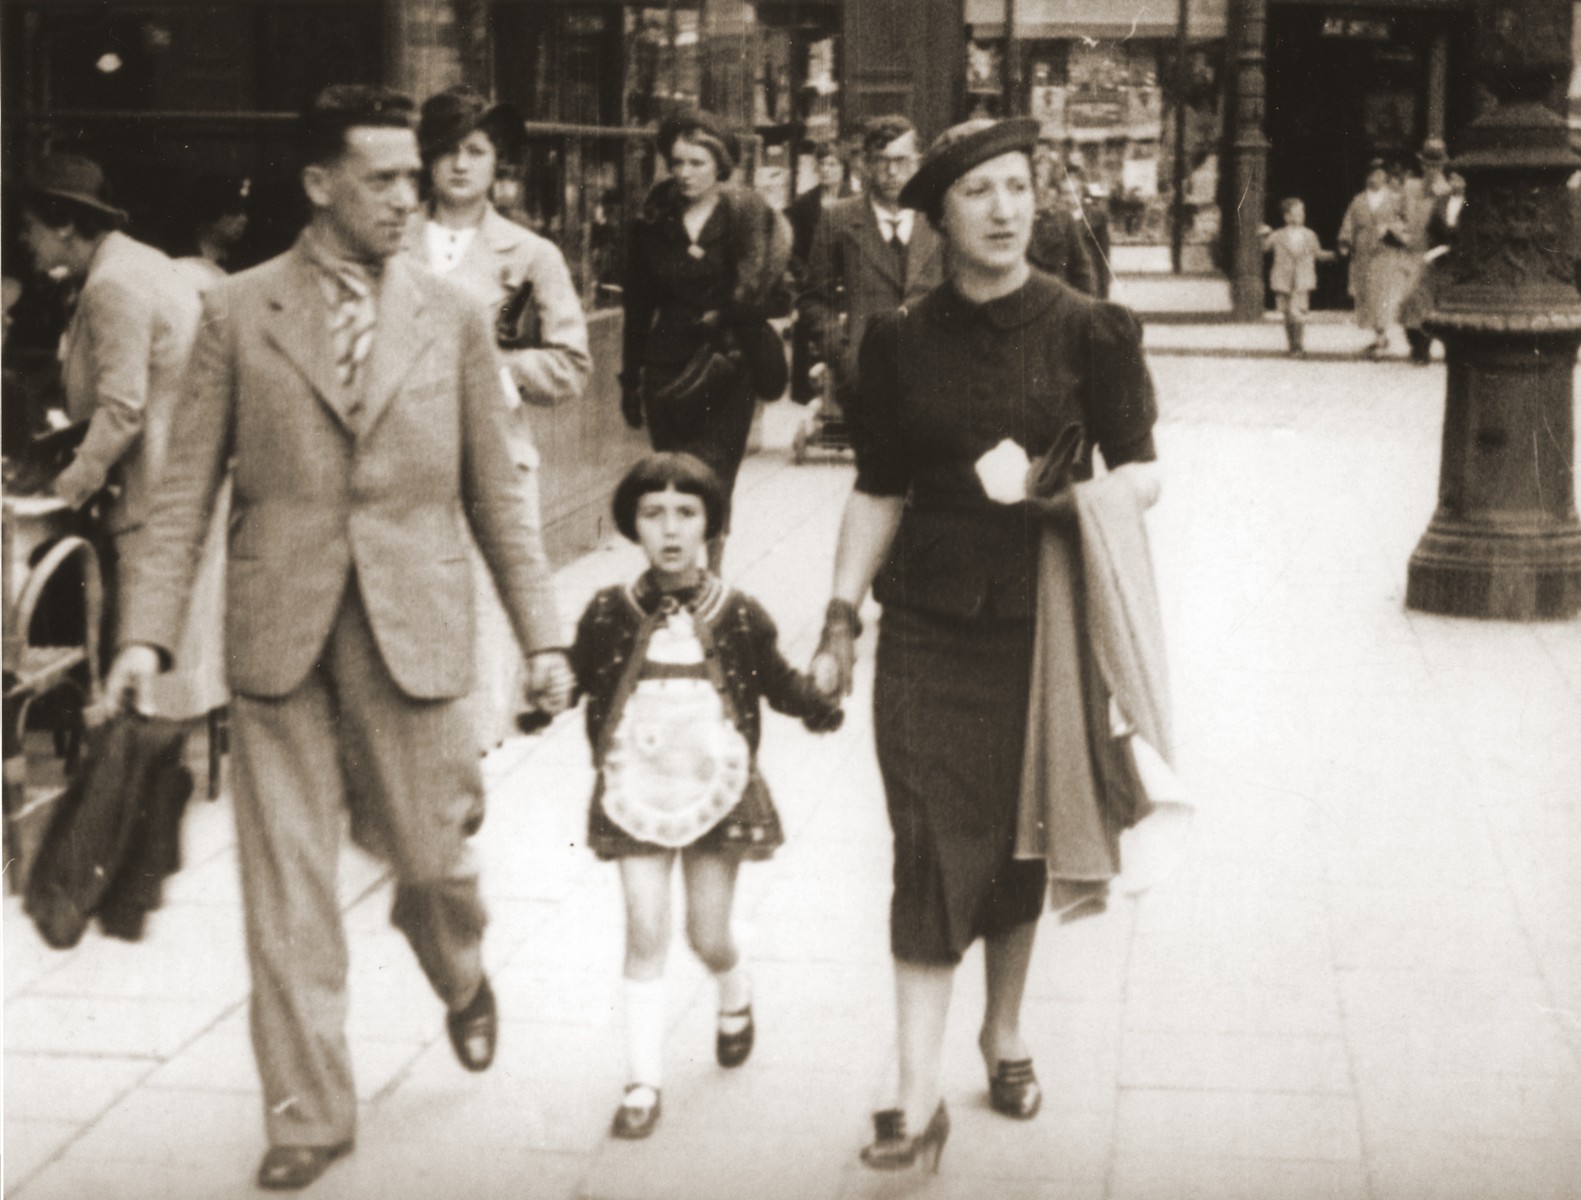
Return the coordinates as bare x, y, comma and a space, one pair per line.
1096, 18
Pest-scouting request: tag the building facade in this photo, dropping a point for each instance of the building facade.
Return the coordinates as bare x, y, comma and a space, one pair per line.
162, 93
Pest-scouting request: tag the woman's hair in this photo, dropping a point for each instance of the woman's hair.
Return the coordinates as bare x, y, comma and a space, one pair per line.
701, 129
449, 117
660, 472
57, 212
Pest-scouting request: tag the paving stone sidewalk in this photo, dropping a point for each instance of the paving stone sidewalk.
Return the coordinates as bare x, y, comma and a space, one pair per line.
1364, 983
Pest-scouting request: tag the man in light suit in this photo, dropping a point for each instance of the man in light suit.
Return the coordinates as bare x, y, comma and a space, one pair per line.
869, 256
358, 399
124, 351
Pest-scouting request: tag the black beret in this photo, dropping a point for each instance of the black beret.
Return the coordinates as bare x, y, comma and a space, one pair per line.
448, 117
960, 148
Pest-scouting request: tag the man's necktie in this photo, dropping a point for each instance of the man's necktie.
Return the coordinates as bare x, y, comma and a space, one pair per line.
351, 325
898, 246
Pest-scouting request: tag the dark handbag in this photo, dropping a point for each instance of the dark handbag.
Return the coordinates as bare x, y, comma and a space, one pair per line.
120, 812
704, 386
764, 351
516, 324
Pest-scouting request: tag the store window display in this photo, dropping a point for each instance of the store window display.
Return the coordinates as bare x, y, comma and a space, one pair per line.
1113, 104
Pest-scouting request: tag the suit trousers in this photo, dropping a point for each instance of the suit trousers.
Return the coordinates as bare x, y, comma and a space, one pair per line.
408, 770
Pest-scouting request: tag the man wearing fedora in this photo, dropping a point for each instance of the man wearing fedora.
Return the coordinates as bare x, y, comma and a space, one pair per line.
124, 350
357, 399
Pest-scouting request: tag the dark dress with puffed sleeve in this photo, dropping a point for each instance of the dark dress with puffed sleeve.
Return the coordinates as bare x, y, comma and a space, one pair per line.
943, 384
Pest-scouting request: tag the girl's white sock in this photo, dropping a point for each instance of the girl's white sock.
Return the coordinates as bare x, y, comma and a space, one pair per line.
735, 993
645, 1031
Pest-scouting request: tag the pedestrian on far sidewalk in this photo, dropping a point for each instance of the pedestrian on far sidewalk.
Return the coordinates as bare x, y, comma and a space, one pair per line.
1293, 274
1443, 228
356, 400
1058, 246
675, 667
1374, 237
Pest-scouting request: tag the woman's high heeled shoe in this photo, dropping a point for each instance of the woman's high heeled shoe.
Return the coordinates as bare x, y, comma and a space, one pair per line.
892, 1150
1013, 1089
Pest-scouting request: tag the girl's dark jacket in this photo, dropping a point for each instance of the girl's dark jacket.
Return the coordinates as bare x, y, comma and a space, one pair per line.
733, 627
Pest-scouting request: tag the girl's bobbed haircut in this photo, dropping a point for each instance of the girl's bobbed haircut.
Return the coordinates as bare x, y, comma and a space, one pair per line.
658, 473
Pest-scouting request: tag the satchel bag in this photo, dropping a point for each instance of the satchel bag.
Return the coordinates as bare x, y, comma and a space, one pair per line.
516, 325
120, 813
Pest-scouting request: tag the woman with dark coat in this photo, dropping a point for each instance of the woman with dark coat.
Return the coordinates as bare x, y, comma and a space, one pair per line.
983, 375
705, 269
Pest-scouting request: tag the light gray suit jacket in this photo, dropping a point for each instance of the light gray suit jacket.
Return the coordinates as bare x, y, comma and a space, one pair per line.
125, 351
330, 486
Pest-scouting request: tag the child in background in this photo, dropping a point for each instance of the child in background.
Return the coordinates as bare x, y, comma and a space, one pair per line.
1293, 275
674, 668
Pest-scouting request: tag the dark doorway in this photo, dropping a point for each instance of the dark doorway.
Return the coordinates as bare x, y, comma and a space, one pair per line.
1345, 86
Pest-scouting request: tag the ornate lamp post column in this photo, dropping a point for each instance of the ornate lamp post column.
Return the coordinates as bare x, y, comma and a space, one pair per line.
1505, 541
1251, 159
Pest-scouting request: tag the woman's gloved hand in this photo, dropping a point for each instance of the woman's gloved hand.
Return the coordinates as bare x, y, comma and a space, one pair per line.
835, 661
825, 721
1049, 478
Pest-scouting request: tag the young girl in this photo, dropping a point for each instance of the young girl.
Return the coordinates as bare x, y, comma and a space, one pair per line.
674, 667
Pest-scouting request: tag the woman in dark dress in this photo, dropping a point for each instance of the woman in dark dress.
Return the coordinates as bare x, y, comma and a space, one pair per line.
982, 373
705, 262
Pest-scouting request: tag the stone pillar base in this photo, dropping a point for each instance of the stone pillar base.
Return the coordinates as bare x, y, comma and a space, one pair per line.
1471, 570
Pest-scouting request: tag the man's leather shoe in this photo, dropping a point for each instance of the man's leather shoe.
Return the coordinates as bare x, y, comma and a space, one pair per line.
475, 1029
291, 1168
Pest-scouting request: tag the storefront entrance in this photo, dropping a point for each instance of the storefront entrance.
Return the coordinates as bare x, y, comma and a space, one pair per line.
1347, 85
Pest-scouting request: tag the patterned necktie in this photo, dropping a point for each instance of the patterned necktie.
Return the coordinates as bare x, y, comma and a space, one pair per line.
352, 321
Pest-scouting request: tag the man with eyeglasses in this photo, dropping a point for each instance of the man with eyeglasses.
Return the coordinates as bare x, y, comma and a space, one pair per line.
869, 256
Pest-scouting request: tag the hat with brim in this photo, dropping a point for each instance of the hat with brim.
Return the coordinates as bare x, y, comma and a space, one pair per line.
960, 148
76, 180
448, 117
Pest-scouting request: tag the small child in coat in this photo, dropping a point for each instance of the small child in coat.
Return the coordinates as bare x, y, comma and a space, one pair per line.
674, 668
1293, 275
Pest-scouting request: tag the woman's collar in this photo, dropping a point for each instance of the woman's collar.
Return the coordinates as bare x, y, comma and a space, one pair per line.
1013, 310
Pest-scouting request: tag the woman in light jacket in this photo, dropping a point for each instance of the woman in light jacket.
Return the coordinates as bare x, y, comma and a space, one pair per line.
1373, 237
462, 237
